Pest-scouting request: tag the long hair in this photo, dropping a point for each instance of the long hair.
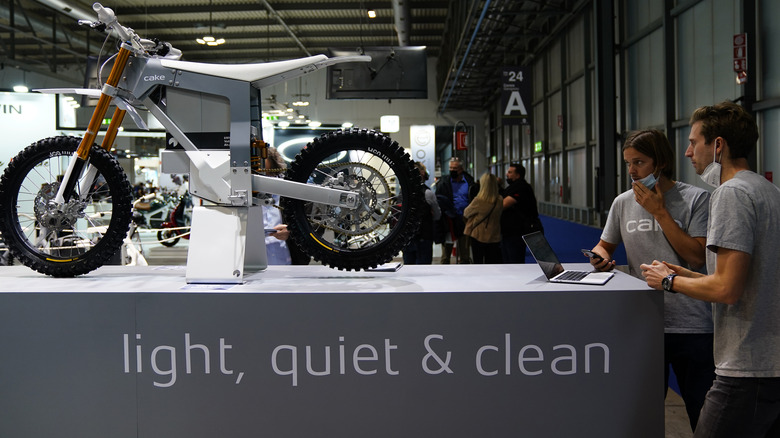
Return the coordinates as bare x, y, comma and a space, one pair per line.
488, 188
655, 145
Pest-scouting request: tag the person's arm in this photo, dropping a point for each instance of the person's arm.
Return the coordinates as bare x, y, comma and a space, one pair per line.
281, 233
725, 286
430, 198
509, 201
690, 249
470, 210
605, 250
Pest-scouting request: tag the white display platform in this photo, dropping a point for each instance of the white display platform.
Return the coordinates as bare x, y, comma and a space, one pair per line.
311, 278
303, 351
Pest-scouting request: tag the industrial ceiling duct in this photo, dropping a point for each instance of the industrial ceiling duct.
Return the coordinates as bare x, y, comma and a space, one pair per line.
402, 20
71, 11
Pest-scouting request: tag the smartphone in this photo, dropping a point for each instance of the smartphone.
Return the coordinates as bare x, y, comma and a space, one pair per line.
270, 231
592, 254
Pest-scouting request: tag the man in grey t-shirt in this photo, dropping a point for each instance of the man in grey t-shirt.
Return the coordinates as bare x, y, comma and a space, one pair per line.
744, 265
660, 218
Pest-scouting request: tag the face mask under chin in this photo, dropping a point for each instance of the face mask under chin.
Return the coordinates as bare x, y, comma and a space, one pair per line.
711, 174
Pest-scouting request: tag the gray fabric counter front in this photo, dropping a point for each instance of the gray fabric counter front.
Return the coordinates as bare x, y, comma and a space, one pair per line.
306, 351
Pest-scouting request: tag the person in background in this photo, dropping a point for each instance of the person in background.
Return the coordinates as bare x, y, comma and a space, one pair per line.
275, 242
742, 261
454, 193
419, 251
520, 215
659, 218
483, 221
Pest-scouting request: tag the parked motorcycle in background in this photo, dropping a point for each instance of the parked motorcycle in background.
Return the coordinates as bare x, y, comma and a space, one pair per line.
178, 224
152, 210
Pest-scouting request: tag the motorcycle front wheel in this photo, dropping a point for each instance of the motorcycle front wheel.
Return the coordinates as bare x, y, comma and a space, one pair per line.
70, 239
389, 189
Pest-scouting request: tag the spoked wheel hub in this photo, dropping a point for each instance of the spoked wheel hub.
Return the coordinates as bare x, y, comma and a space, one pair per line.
52, 215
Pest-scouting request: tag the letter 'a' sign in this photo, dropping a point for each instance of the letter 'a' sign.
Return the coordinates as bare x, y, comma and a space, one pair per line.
516, 96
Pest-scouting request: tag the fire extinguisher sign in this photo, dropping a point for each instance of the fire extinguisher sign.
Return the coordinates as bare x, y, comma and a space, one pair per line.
516, 95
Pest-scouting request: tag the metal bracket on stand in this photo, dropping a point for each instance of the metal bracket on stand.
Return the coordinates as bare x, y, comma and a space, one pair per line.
226, 243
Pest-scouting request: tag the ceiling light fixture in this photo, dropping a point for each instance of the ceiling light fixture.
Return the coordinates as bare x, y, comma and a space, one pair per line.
371, 13
301, 96
209, 39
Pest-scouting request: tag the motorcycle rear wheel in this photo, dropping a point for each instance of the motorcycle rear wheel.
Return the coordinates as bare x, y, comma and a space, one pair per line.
70, 239
389, 187
166, 238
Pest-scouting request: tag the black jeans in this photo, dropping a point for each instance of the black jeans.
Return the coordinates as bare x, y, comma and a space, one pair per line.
485, 253
690, 356
744, 407
513, 249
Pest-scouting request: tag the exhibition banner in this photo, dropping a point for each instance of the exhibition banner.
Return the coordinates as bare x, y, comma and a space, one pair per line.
351, 364
423, 141
24, 119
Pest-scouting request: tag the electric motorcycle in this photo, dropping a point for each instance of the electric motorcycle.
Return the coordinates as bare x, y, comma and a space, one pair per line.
65, 202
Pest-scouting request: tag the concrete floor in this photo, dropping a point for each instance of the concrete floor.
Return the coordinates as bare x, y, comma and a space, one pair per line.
675, 419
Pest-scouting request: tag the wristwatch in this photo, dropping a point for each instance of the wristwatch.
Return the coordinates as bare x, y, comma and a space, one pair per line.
667, 283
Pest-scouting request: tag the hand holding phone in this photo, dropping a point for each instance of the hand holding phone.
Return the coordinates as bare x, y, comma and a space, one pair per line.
592, 255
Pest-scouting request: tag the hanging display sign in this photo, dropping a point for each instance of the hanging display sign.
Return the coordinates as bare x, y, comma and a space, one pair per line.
516, 96
423, 141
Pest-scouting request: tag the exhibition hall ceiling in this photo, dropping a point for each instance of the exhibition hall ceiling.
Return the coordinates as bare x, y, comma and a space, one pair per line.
472, 40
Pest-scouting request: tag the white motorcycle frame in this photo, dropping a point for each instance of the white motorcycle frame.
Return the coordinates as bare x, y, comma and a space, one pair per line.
227, 239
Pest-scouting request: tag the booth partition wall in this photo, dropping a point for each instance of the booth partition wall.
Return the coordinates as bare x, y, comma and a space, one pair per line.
648, 68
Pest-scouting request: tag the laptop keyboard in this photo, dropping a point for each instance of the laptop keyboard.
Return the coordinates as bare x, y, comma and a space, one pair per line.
573, 275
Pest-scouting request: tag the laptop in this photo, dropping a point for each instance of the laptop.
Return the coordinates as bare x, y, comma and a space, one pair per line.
552, 268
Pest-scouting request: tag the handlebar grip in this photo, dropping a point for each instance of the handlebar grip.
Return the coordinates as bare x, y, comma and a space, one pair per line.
174, 53
106, 15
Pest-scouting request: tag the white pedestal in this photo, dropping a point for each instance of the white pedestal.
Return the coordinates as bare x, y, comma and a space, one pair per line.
226, 243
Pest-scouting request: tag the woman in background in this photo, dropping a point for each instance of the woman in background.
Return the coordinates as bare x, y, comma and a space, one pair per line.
483, 221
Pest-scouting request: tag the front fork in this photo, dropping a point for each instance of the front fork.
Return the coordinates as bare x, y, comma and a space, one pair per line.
81, 156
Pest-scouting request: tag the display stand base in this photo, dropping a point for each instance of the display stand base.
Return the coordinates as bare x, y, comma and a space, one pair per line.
226, 244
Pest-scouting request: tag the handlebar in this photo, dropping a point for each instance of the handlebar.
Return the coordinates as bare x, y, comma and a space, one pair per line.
107, 20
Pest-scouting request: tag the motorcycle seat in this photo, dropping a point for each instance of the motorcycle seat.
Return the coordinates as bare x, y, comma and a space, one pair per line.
265, 73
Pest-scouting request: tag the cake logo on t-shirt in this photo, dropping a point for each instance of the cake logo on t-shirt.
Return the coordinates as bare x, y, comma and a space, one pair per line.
647, 225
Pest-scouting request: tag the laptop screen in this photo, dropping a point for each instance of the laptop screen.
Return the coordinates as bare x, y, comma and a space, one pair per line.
543, 253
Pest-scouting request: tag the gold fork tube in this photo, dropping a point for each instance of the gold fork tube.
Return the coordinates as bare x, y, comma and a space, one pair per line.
102, 106
113, 129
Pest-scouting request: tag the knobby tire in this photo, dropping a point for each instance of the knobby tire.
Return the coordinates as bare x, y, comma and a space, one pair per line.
391, 192
71, 244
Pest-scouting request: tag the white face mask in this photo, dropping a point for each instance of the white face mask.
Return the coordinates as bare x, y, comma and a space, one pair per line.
711, 174
648, 181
